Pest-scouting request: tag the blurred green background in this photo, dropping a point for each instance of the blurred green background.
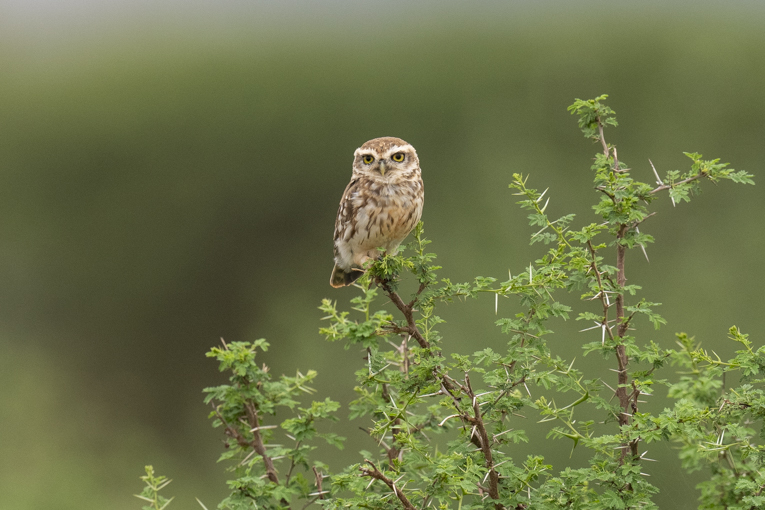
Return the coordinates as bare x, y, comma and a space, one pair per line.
170, 173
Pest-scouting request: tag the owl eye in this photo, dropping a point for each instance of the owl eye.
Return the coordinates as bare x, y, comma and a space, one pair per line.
398, 157
368, 159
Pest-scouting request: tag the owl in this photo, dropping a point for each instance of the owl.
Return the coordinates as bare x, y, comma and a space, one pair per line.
380, 206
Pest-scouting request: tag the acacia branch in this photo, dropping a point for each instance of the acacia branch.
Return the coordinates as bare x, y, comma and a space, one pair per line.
522, 380
601, 288
622, 360
422, 287
292, 465
319, 478
638, 222
408, 311
411, 328
630, 317
453, 384
477, 421
230, 431
376, 474
684, 181
621, 350
257, 443
625, 400
448, 384
602, 138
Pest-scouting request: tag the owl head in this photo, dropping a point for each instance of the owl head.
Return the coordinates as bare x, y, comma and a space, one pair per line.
385, 159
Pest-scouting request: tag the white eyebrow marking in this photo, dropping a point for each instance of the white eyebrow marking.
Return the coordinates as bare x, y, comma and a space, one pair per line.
364, 152
399, 148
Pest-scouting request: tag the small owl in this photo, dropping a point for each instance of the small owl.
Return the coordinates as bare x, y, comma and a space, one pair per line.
380, 206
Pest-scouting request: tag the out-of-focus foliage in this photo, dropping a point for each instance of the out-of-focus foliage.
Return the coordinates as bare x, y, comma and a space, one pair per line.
159, 192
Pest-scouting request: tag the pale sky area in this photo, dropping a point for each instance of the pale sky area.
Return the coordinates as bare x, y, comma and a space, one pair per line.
50, 20
71, 15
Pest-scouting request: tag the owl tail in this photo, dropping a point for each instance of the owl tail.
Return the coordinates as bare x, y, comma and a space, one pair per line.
341, 278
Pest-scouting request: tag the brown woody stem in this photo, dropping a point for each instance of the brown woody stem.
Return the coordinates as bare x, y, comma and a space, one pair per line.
408, 311
477, 421
625, 401
378, 475
258, 445
625, 397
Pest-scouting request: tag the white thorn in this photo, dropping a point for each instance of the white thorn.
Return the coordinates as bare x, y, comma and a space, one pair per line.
499, 434
658, 179
448, 417
642, 246
660, 182
264, 427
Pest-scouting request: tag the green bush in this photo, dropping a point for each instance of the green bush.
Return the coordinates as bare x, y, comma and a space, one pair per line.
442, 425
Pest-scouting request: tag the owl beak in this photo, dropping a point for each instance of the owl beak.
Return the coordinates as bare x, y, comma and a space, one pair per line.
382, 168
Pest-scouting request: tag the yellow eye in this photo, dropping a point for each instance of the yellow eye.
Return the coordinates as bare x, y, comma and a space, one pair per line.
368, 159
398, 157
